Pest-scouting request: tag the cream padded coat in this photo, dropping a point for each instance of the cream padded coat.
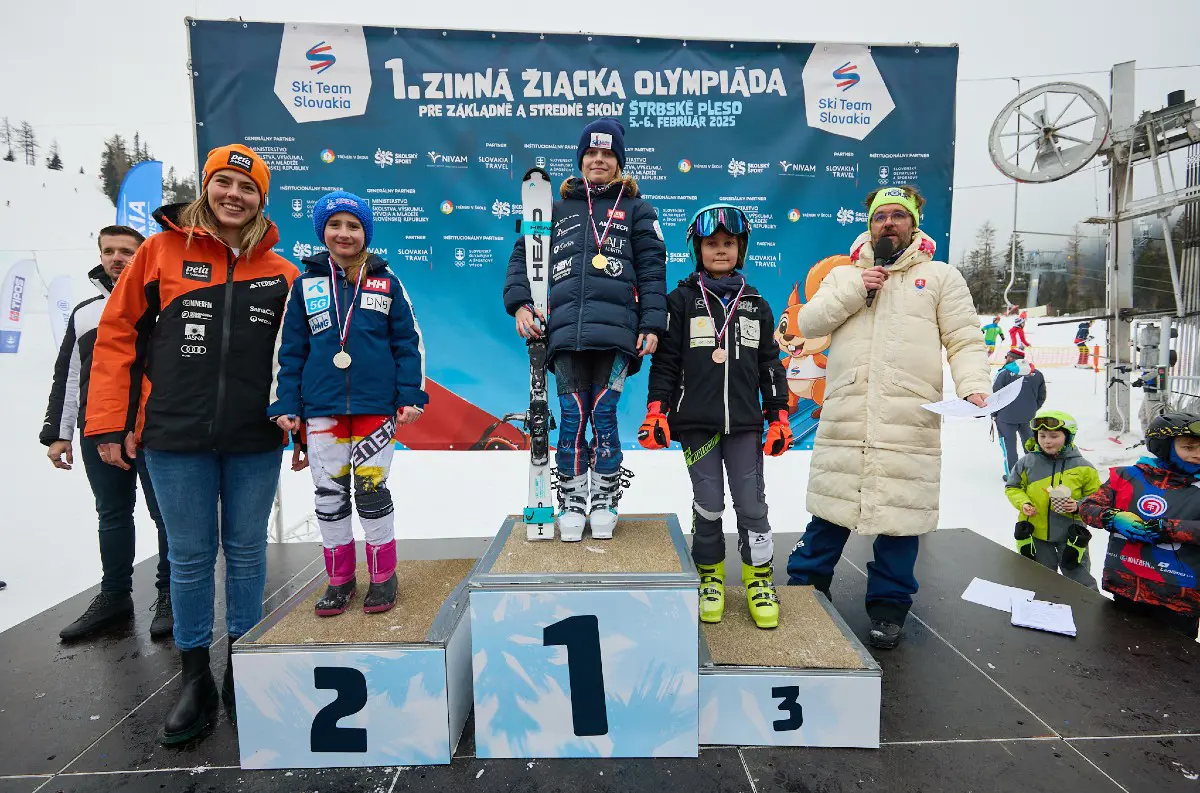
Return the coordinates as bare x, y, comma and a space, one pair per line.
876, 462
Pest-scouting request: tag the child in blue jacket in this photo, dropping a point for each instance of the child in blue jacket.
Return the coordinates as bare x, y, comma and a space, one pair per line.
350, 364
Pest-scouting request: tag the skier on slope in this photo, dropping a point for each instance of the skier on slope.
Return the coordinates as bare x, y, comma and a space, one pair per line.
720, 343
607, 309
1083, 334
1017, 334
990, 332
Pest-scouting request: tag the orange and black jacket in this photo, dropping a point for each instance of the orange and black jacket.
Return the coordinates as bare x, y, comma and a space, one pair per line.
184, 350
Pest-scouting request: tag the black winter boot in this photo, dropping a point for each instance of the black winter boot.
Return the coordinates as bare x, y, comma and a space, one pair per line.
105, 609
380, 597
884, 635
163, 623
336, 599
197, 699
227, 682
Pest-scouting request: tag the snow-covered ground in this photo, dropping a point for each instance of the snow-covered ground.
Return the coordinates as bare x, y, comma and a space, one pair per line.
49, 531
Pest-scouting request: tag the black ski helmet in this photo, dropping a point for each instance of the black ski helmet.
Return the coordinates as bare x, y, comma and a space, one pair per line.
1163, 429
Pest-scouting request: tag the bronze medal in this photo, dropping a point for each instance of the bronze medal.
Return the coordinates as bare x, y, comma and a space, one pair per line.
719, 355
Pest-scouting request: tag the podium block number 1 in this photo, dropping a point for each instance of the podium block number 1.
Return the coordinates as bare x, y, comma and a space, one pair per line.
585, 668
351, 687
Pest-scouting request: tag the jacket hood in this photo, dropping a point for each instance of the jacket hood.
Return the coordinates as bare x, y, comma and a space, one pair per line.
573, 187
168, 217
319, 263
101, 280
921, 249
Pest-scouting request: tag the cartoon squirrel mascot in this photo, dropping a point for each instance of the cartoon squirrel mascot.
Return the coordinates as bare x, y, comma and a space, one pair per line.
805, 359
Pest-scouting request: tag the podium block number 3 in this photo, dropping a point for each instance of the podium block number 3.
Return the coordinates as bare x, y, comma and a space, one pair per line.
351, 687
790, 706
581, 636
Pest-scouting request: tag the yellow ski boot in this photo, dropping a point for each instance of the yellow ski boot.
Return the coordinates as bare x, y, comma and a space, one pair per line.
760, 595
712, 591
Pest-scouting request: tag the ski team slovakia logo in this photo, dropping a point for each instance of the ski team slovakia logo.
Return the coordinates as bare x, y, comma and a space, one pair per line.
846, 76
844, 93
320, 56
323, 72
1152, 506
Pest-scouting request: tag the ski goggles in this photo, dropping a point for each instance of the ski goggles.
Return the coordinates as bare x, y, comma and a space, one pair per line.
1048, 423
709, 220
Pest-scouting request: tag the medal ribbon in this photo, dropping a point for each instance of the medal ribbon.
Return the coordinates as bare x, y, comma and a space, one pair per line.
595, 231
728, 313
344, 327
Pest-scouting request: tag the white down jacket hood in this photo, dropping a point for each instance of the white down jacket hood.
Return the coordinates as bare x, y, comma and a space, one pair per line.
876, 463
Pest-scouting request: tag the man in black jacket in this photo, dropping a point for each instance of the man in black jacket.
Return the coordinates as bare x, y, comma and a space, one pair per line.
114, 487
1012, 421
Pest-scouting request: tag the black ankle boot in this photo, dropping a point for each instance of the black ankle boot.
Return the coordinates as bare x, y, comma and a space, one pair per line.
336, 599
381, 596
197, 699
163, 623
107, 608
227, 682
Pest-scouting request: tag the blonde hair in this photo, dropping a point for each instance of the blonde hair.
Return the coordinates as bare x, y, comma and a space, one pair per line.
198, 214
351, 269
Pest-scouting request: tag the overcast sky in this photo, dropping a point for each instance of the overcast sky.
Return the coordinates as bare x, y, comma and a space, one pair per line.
80, 71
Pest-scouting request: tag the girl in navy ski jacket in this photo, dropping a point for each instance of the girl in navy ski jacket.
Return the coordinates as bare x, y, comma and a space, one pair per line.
607, 309
350, 364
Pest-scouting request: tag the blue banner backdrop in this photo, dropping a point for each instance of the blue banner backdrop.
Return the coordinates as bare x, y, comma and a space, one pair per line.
141, 194
437, 127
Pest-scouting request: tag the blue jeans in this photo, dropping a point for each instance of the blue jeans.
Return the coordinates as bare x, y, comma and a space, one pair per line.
191, 486
115, 491
890, 579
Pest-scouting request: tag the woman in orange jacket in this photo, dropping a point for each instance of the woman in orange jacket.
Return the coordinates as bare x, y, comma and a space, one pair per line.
188, 336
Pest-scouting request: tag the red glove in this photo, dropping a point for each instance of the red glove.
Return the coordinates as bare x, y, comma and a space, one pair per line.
779, 435
654, 432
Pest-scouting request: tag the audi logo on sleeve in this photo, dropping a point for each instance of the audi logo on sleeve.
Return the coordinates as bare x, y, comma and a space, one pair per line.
189, 350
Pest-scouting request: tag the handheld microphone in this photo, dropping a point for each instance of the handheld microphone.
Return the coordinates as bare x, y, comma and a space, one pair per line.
883, 251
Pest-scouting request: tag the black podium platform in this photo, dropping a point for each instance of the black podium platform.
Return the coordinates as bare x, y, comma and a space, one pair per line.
969, 702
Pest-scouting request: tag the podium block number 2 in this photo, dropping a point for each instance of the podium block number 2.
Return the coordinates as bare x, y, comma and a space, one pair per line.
791, 706
581, 636
351, 687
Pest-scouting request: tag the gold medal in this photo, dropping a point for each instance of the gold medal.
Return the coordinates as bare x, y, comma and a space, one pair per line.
599, 261
719, 355
342, 360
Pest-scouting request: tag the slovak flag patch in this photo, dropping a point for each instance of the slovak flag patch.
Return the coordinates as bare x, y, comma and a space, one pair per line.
919, 283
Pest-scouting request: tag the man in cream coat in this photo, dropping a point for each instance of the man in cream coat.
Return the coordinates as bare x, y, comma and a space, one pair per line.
876, 463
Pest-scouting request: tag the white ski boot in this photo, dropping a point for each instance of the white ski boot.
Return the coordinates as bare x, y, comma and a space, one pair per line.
606, 492
572, 506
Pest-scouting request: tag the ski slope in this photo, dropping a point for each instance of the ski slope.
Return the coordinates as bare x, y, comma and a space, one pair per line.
49, 531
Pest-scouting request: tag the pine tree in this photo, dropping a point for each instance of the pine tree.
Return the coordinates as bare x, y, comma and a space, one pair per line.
7, 133
54, 162
114, 164
27, 142
981, 272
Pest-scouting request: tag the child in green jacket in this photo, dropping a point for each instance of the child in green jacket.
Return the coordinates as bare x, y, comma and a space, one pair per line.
1046, 486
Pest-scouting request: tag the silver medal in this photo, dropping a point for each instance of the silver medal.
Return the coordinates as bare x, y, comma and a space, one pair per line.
342, 360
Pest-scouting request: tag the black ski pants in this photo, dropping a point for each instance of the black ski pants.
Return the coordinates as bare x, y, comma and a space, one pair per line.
710, 457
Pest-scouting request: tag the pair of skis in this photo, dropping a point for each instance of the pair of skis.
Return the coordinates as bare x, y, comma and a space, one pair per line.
537, 204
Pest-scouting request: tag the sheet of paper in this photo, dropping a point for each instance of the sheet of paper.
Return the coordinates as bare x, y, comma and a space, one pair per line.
1043, 615
961, 408
993, 595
